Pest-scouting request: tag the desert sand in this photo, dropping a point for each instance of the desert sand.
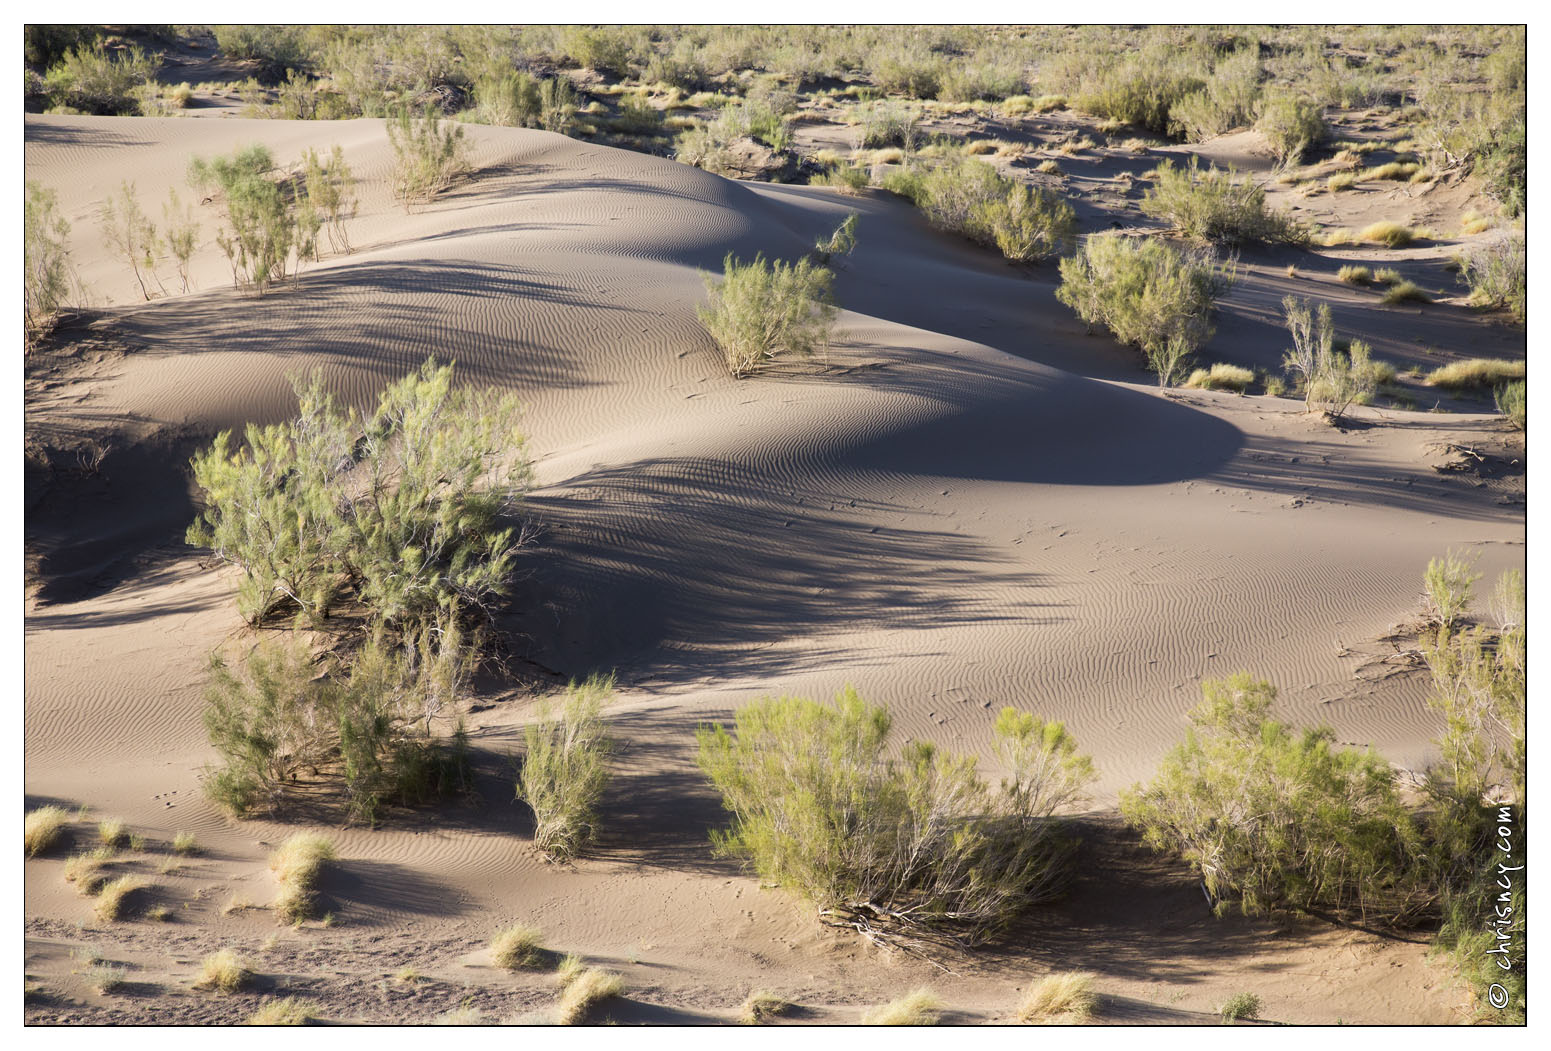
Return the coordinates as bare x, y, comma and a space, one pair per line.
969, 502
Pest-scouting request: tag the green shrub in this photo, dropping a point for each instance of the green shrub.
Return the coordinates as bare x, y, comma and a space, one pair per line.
180, 233
557, 105
886, 122
277, 48
1140, 88
266, 236
565, 769
48, 275
509, 97
131, 234
1290, 125
1146, 293
604, 50
970, 197
1448, 583
841, 242
761, 310
427, 156
1496, 273
1331, 380
91, 79
1512, 402
1216, 206
893, 846
1244, 1006
1279, 819
329, 199
421, 543
1227, 102
849, 179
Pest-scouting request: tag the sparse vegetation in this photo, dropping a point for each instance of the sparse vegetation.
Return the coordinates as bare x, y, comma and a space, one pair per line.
288, 1011
1065, 997
1221, 376
42, 827
1512, 402
968, 196
266, 236
1496, 274
48, 275
223, 971
112, 832
106, 977
517, 947
1355, 275
428, 156
762, 310
1331, 380
1240, 1007
1290, 125
585, 991
298, 865
566, 768
921, 1007
893, 847
1448, 583
760, 1006
113, 897
184, 843
85, 870
131, 234
1475, 373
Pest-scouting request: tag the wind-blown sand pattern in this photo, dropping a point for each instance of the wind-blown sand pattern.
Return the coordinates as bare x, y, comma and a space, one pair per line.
968, 503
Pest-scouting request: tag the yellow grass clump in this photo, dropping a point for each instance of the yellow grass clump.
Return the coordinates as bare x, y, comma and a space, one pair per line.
1063, 998
185, 843
41, 828
1403, 291
297, 864
761, 1006
1472, 222
1355, 275
1389, 233
980, 146
1049, 167
289, 1011
921, 1007
1340, 181
1477, 372
114, 895
1221, 376
112, 832
516, 947
85, 870
467, 1014
584, 991
223, 971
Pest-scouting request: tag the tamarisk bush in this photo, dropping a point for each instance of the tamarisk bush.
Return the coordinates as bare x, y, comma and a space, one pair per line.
914, 846
564, 771
427, 156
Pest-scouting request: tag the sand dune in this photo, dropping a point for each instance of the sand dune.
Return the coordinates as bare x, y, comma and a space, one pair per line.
968, 503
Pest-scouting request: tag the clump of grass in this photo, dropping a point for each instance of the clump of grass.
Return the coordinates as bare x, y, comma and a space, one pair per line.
1064, 997
850, 179
569, 969
1404, 291
408, 975
112, 832
1216, 205
1476, 372
1388, 276
159, 913
585, 991
1473, 222
1355, 275
1221, 376
921, 1007
297, 865
761, 1006
517, 947
1389, 233
980, 146
184, 843
1512, 402
1380, 372
289, 1011
1240, 1006
42, 827
566, 766
106, 977
223, 971
1341, 181
1049, 167
1077, 145
1496, 275
1394, 170
115, 894
465, 1014
85, 870
1275, 386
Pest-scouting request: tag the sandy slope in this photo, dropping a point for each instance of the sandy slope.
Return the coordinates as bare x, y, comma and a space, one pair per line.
969, 503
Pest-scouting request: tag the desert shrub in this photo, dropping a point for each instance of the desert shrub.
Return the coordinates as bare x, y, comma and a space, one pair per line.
1066, 996
1214, 205
1496, 273
285, 1011
1447, 584
606, 50
106, 977
584, 992
223, 971
266, 236
760, 1006
908, 71
841, 242
1221, 376
92, 79
970, 197
45, 45
637, 116
48, 276
263, 720
557, 105
131, 234
1476, 372
893, 846
517, 947
509, 97
427, 156
298, 865
41, 828
1290, 125
980, 79
762, 310
885, 122
1331, 380
921, 1007
1504, 167
400, 509
566, 768
1140, 88
1512, 402
1355, 275
180, 234
1226, 102
1245, 1006
1277, 818
113, 897
849, 179
277, 48
1147, 293
329, 197
1403, 292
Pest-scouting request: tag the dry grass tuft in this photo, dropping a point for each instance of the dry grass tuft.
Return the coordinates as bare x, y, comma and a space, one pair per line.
223, 971
114, 896
1472, 222
1389, 233
42, 827
761, 1006
1355, 275
584, 991
289, 1011
184, 843
517, 947
1064, 998
85, 870
1340, 181
1049, 167
297, 865
1477, 372
921, 1007
1404, 291
112, 832
1221, 376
